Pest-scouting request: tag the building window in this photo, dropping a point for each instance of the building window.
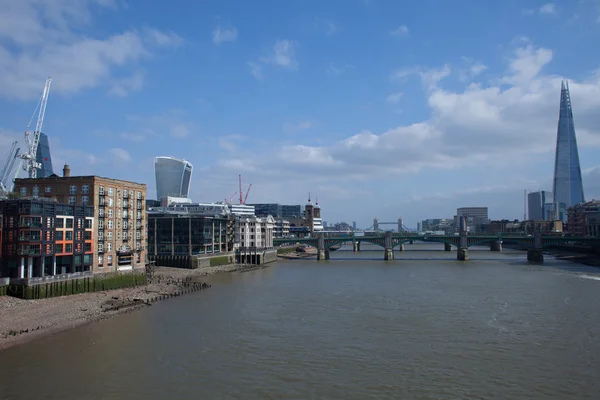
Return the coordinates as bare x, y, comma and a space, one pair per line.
118, 235
100, 224
69, 223
118, 202
109, 260
110, 202
87, 247
73, 189
100, 247
109, 235
85, 200
48, 189
59, 248
36, 191
88, 223
69, 248
139, 195
100, 260
101, 190
108, 247
125, 193
110, 213
110, 224
72, 200
23, 192
110, 191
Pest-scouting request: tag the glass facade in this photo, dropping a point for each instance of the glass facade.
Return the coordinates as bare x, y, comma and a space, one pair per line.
43, 157
538, 205
568, 185
172, 177
174, 234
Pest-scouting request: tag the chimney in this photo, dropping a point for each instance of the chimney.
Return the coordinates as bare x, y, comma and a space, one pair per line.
66, 170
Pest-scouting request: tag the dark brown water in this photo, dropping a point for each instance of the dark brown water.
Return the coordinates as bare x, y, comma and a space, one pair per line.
424, 327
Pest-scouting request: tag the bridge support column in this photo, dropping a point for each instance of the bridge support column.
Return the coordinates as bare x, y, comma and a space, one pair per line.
355, 246
462, 254
447, 247
535, 256
322, 252
401, 247
388, 252
496, 245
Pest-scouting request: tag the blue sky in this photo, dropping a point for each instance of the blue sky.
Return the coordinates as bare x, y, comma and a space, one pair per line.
380, 108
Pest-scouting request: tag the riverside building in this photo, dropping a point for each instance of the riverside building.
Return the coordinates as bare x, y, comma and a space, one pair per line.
119, 236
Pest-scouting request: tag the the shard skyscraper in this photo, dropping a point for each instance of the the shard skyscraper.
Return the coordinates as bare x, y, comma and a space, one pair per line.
568, 185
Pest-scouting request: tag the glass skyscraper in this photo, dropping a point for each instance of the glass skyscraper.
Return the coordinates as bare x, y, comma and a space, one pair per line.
568, 185
172, 177
43, 157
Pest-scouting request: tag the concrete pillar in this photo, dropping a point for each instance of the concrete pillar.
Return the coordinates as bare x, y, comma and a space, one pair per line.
53, 265
496, 245
535, 256
401, 247
447, 247
388, 252
30, 267
322, 252
355, 246
22, 269
43, 266
462, 254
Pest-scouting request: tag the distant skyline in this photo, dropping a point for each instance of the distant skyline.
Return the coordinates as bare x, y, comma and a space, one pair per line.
386, 109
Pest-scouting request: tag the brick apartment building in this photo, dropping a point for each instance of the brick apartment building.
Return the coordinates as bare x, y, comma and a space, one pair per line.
41, 237
120, 233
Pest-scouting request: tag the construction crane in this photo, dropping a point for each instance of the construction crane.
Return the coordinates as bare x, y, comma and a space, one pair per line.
29, 162
242, 197
228, 201
11, 158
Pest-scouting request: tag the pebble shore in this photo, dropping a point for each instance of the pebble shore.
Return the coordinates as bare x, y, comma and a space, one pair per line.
25, 320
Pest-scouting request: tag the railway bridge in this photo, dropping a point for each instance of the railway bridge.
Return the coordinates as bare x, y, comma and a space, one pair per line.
389, 241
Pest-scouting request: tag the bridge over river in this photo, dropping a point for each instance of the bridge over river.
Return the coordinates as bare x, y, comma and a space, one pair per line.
389, 241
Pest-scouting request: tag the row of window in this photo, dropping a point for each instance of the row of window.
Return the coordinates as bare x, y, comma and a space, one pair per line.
138, 246
109, 260
126, 193
110, 224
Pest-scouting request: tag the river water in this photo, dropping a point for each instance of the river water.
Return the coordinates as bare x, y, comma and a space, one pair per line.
423, 326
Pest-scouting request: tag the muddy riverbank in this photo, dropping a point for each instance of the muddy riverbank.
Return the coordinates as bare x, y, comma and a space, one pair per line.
24, 320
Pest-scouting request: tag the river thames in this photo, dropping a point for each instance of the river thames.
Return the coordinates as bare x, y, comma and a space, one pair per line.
423, 326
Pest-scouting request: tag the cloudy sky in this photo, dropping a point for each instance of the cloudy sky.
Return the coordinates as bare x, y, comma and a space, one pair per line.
380, 108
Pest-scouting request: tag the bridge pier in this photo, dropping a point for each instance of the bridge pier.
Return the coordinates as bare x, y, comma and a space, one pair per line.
447, 247
462, 254
401, 247
322, 254
388, 252
535, 255
355, 246
496, 245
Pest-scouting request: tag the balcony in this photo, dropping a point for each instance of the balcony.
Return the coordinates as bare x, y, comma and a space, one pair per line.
30, 238
30, 224
125, 205
29, 252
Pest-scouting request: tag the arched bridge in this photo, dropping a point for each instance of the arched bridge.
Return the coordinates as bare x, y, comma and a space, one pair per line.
389, 242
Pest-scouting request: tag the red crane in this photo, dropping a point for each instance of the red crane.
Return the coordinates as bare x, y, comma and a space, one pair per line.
242, 197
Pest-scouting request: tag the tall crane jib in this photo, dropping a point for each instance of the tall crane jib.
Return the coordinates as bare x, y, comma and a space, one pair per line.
31, 141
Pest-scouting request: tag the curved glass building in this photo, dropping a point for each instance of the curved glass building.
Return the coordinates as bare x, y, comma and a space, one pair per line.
568, 185
172, 177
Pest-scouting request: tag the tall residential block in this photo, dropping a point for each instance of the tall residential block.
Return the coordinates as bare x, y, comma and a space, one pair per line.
568, 185
172, 177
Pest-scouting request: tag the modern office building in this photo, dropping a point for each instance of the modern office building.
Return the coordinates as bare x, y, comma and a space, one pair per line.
119, 235
172, 177
568, 185
278, 210
44, 157
539, 206
476, 218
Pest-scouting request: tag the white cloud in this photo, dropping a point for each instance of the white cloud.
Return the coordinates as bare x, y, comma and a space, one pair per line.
394, 97
401, 30
122, 87
42, 38
296, 128
171, 122
120, 155
548, 8
429, 76
255, 70
220, 35
231, 142
283, 54
338, 70
527, 64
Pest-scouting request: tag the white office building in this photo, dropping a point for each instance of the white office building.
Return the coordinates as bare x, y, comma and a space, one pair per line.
172, 177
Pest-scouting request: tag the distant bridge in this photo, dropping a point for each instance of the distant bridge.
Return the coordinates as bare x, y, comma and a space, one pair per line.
389, 241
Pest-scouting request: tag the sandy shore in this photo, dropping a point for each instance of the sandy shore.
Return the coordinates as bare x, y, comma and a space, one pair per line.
25, 320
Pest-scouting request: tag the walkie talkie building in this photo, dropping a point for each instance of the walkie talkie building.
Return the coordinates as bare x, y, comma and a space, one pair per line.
172, 177
568, 185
